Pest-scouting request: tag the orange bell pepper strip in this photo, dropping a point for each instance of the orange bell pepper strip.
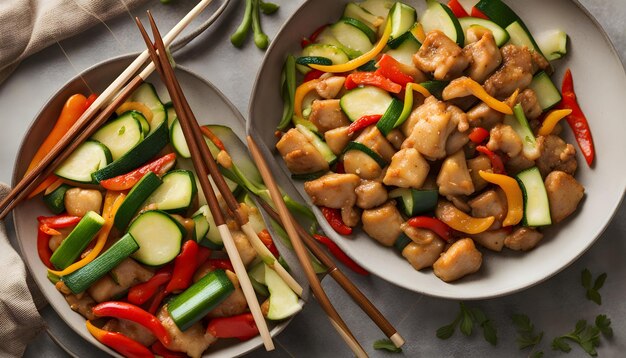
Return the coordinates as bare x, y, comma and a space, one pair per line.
464, 223
474, 88
302, 91
514, 198
552, 119
119, 342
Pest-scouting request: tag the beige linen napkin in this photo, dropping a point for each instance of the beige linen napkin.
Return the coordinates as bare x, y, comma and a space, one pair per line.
19, 319
28, 26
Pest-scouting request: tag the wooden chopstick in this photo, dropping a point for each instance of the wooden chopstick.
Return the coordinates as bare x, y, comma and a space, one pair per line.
288, 224
357, 296
167, 74
51, 161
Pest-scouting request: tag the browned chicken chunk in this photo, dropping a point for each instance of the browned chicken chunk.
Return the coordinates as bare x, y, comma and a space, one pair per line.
82, 303
370, 194
564, 195
490, 203
193, 341
330, 87
425, 248
333, 190
484, 116
337, 139
441, 56
530, 104
484, 56
326, 114
383, 223
300, 156
132, 330
454, 177
555, 155
492, 239
372, 138
503, 137
245, 249
361, 164
474, 166
408, 169
461, 259
523, 239
516, 72
234, 304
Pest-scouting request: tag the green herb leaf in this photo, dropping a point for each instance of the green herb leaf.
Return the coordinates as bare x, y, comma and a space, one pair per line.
522, 322
386, 344
599, 281
580, 326
466, 324
526, 336
585, 278
538, 354
446, 332
478, 315
559, 344
592, 293
594, 296
490, 333
604, 325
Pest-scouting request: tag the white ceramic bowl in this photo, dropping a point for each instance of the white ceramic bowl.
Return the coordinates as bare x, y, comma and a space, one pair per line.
210, 107
600, 83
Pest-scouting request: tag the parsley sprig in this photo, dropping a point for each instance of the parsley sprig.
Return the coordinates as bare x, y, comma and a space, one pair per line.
526, 336
587, 336
592, 292
386, 344
468, 318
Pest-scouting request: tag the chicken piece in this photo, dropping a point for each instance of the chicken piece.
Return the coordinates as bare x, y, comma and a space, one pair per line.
490, 203
370, 194
193, 341
454, 177
539, 62
82, 303
555, 154
441, 56
456, 141
333, 190
79, 201
132, 330
516, 72
361, 164
106, 289
337, 139
396, 138
408, 169
425, 248
56, 240
245, 249
460, 202
523, 239
517, 164
300, 156
234, 304
351, 216
530, 104
383, 223
503, 137
484, 116
474, 166
484, 56
435, 121
492, 239
330, 87
372, 138
130, 273
564, 194
326, 114
461, 259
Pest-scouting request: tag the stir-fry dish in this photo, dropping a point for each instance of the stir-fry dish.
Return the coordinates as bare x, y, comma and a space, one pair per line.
134, 249
434, 133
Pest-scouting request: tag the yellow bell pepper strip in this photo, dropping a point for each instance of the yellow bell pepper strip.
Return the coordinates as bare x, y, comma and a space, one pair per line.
136, 106
112, 202
552, 119
462, 222
361, 60
472, 87
408, 101
514, 198
126, 346
302, 91
418, 32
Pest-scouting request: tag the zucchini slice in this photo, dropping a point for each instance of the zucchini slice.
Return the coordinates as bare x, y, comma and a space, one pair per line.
403, 17
327, 37
435, 87
362, 148
547, 93
135, 198
372, 21
519, 123
159, 237
401, 242
87, 159
404, 48
146, 94
414, 202
313, 60
319, 144
378, 7
371, 34
80, 280
176, 193
500, 35
365, 101
389, 119
283, 301
177, 138
77, 240
439, 17
211, 238
121, 134
351, 36
536, 204
55, 201
553, 44
171, 113
200, 228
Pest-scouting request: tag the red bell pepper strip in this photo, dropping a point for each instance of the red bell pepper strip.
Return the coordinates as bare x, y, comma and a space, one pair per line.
142, 292
577, 120
43, 248
185, 265
496, 162
389, 67
128, 180
363, 123
339, 168
478, 135
90, 100
433, 224
203, 254
312, 75
223, 264
156, 301
306, 41
372, 79
479, 14
159, 349
133, 313
119, 342
333, 216
241, 326
48, 224
457, 9
340, 255
266, 238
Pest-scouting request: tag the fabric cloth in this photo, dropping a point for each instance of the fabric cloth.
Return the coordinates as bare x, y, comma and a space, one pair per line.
19, 319
28, 26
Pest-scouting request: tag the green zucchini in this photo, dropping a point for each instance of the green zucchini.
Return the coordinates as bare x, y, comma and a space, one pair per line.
211, 238
135, 198
80, 280
308, 176
138, 155
313, 60
389, 119
354, 11
414, 202
553, 44
195, 302
200, 227
362, 148
536, 204
159, 237
500, 35
439, 17
121, 134
171, 113
146, 94
176, 193
403, 17
435, 87
77, 240
547, 93
319, 144
55, 201
327, 37
363, 101
283, 301
351, 36
177, 138
519, 123
403, 48
369, 66
257, 278
378, 7
371, 34
89, 158
401, 242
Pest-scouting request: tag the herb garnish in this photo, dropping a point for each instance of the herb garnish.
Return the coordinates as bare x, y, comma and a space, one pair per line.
587, 336
526, 336
387, 345
592, 292
468, 318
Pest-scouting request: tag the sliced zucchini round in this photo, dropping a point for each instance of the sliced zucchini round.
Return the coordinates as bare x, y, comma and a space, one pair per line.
211, 238
371, 34
314, 60
536, 204
159, 237
351, 36
331, 52
176, 193
135, 198
439, 17
403, 18
146, 94
500, 35
88, 158
121, 134
365, 101
414, 202
177, 138
370, 20
327, 37
55, 201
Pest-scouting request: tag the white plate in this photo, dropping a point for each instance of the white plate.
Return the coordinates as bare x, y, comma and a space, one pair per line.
600, 83
209, 105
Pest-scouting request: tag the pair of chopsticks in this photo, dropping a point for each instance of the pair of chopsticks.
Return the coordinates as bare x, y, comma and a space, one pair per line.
115, 94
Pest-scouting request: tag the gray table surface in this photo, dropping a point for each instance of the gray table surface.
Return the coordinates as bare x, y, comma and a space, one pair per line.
553, 306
